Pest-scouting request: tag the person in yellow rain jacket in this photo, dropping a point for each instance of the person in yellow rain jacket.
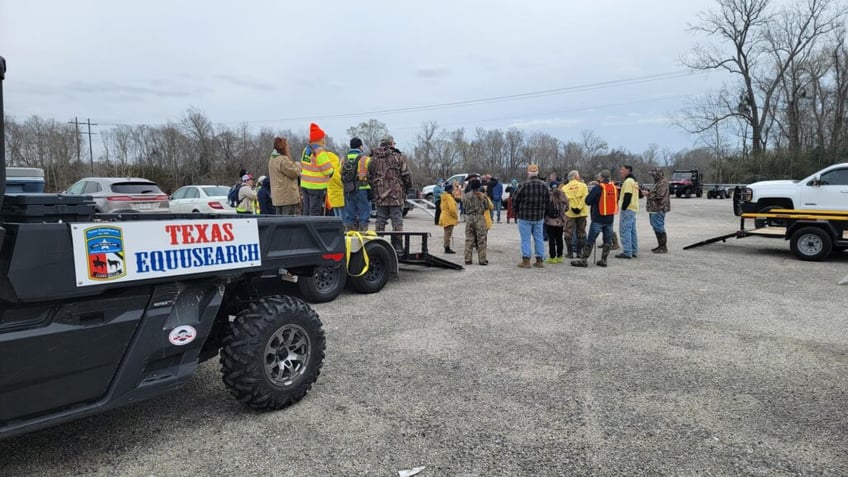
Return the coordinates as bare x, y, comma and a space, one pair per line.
335, 191
316, 171
576, 214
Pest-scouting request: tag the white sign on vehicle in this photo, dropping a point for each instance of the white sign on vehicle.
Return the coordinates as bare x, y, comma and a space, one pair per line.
127, 251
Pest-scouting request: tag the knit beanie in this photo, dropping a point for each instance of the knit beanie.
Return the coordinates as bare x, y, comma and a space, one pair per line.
315, 133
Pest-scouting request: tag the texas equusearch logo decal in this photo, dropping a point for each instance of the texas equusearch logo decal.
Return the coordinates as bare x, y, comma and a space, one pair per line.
105, 253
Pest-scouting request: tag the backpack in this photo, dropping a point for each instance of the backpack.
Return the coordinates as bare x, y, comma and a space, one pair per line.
233, 194
350, 174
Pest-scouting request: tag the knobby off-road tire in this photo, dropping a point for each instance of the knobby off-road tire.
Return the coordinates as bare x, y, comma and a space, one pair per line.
324, 285
273, 352
378, 270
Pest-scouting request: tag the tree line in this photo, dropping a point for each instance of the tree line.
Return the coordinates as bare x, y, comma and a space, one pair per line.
782, 114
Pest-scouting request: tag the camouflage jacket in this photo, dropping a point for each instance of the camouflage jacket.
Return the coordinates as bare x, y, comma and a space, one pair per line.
389, 177
658, 197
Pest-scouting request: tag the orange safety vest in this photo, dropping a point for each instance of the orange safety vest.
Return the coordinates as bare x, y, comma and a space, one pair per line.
608, 204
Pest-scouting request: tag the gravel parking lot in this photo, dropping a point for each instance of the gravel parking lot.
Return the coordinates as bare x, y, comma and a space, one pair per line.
728, 359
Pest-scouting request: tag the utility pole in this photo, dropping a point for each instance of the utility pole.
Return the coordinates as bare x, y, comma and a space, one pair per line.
75, 122
90, 150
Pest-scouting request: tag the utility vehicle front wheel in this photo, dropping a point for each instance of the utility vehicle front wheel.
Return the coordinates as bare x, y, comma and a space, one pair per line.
273, 352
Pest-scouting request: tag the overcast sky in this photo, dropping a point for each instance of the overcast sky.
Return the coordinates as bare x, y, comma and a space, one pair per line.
283, 64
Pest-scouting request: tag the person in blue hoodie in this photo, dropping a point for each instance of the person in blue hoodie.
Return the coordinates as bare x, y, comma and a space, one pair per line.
263, 196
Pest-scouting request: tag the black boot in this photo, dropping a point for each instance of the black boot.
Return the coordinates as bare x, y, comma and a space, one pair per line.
448, 250
583, 262
663, 238
659, 243
604, 254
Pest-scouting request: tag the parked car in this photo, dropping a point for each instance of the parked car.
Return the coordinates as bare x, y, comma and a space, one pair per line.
205, 199
427, 191
122, 194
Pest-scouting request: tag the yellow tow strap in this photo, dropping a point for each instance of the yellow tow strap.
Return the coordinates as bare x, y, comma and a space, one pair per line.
349, 236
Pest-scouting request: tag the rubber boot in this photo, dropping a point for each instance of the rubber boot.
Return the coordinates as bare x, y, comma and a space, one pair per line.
539, 263
604, 254
569, 250
663, 248
525, 262
448, 250
615, 245
397, 241
363, 227
583, 261
581, 244
659, 243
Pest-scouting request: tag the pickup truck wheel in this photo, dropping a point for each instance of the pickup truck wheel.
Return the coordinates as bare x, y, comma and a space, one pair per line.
760, 223
811, 244
272, 352
378, 270
324, 285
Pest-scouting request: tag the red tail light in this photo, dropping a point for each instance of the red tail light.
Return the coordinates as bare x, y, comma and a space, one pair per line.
160, 197
216, 205
336, 257
119, 198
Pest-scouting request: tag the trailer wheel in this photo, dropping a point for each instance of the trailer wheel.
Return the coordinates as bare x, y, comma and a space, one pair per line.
811, 244
272, 352
378, 270
324, 285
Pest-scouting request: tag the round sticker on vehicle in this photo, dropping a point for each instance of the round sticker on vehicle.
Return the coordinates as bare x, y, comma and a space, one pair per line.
182, 335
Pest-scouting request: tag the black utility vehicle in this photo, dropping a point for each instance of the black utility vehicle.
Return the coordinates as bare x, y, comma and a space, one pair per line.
102, 310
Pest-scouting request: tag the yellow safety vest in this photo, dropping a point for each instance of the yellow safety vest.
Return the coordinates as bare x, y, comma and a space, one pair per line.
362, 170
316, 168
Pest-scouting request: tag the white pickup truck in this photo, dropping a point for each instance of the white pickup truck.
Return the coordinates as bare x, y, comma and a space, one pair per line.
827, 189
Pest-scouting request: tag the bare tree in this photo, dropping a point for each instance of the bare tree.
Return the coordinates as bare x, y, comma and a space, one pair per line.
758, 46
369, 131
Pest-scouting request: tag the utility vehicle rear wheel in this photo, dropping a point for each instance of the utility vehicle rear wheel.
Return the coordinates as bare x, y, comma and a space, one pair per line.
273, 352
324, 285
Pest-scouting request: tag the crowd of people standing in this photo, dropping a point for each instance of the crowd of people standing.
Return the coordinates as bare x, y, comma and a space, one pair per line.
317, 184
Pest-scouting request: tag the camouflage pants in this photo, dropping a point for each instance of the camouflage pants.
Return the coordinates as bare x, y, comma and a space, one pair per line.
293, 209
384, 213
476, 235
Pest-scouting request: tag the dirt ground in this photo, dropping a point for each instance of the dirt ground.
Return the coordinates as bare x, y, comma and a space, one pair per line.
722, 360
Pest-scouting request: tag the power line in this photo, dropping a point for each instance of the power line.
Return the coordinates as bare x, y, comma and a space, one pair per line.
496, 99
479, 101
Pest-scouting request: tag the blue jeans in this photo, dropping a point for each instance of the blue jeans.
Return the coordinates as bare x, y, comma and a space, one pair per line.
627, 231
497, 209
532, 228
595, 229
357, 209
657, 221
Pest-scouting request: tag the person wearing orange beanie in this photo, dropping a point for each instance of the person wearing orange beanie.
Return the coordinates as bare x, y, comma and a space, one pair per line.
316, 171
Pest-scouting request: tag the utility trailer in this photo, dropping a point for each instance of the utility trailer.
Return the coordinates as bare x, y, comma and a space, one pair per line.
812, 234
